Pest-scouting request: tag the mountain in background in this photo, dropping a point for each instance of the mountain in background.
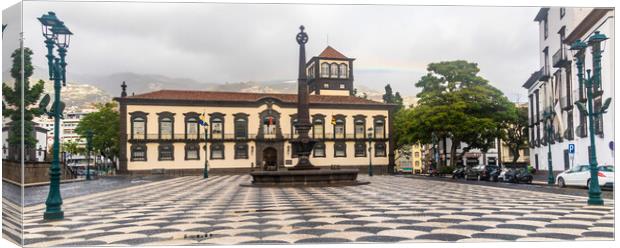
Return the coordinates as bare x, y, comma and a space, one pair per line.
84, 89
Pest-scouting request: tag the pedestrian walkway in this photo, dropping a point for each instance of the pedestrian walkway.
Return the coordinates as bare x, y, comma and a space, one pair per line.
191, 210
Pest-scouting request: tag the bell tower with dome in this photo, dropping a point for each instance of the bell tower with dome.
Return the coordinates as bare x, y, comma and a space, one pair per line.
330, 73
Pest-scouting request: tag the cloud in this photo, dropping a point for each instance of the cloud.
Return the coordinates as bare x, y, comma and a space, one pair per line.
242, 42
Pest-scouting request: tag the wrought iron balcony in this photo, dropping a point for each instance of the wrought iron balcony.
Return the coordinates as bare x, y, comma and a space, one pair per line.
566, 102
545, 73
560, 58
182, 137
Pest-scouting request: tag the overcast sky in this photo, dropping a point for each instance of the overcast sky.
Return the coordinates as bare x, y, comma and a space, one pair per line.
240, 42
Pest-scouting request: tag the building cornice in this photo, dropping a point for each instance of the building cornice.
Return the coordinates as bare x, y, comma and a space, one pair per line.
584, 26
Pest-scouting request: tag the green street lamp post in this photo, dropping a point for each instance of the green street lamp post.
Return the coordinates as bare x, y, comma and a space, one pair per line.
593, 88
55, 33
548, 116
89, 148
370, 151
205, 173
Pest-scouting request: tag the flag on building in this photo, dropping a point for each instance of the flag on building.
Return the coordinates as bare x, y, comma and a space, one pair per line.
202, 120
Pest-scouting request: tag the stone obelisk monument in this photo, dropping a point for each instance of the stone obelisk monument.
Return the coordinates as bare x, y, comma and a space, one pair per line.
303, 144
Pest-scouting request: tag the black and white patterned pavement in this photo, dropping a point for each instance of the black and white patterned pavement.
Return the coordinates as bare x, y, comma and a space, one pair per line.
190, 210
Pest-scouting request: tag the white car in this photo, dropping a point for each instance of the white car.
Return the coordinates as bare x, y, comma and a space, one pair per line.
580, 176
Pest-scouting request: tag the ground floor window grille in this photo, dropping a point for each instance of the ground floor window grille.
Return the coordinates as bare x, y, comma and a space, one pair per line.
166, 152
340, 150
360, 149
192, 152
217, 151
138, 152
319, 150
241, 151
380, 150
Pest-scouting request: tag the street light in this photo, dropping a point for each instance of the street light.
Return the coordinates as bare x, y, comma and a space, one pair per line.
548, 116
205, 173
370, 151
435, 151
591, 83
89, 148
55, 33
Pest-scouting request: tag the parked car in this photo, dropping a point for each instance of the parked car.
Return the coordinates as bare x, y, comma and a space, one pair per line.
481, 172
521, 175
580, 176
458, 173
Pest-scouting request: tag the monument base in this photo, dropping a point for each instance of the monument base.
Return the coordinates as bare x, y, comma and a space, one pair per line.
320, 177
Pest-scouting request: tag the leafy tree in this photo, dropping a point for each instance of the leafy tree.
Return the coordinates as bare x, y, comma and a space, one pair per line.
72, 147
455, 103
105, 123
13, 98
515, 134
393, 98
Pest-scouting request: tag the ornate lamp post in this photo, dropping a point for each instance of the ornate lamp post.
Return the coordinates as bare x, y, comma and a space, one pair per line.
548, 116
435, 152
55, 33
593, 88
205, 172
89, 148
370, 151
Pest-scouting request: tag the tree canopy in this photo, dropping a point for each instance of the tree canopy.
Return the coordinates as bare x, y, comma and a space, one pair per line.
105, 124
12, 102
455, 103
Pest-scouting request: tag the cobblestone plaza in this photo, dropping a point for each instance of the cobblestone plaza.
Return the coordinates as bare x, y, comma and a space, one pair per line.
192, 210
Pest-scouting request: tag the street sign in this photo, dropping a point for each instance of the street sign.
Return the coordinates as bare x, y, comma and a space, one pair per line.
571, 148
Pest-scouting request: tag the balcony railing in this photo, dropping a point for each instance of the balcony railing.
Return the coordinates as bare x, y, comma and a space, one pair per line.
181, 137
545, 73
566, 102
560, 58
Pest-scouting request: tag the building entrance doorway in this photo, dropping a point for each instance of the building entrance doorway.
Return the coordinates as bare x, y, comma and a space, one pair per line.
270, 158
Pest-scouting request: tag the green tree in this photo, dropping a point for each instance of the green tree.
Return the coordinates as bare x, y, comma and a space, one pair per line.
393, 98
455, 103
12, 104
515, 134
72, 147
105, 123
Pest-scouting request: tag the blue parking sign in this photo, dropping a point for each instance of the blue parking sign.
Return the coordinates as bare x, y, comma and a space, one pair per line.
571, 148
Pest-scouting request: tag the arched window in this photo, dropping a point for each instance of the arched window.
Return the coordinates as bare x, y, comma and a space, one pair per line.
138, 125
343, 72
324, 70
241, 126
318, 128
360, 127
339, 127
270, 123
192, 131
333, 73
166, 125
294, 132
217, 126
379, 129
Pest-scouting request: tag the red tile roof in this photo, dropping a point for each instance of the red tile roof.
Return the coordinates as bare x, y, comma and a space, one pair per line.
331, 53
187, 95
